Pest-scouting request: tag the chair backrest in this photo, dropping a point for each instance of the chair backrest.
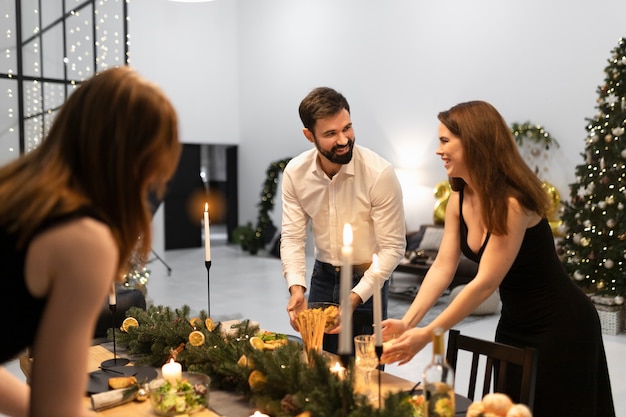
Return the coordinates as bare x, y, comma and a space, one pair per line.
497, 356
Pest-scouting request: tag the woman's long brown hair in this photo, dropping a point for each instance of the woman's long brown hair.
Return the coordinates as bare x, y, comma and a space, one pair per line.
496, 167
113, 141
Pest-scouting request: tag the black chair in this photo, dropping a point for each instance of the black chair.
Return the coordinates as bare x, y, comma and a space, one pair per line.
498, 357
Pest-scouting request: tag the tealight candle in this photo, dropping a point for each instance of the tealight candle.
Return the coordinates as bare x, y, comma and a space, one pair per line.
172, 371
338, 370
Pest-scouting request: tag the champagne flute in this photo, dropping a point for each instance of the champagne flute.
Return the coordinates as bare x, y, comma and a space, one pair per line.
365, 358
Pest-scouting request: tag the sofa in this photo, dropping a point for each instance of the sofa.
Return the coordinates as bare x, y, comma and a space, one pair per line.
421, 248
126, 298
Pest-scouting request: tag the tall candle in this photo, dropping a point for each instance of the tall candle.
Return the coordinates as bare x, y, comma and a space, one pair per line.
112, 295
378, 314
207, 234
345, 287
172, 371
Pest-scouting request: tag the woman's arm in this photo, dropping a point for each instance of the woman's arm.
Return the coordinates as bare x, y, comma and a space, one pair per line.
438, 277
498, 257
15, 395
496, 261
74, 265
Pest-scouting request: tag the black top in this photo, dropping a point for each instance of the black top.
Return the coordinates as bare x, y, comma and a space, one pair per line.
543, 308
21, 312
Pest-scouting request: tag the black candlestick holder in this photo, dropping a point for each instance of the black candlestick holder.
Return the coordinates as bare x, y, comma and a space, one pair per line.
208, 285
379, 354
115, 361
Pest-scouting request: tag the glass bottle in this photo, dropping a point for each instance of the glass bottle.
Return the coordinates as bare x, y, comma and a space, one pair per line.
438, 381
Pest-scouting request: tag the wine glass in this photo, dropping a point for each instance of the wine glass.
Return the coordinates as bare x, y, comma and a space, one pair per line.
365, 358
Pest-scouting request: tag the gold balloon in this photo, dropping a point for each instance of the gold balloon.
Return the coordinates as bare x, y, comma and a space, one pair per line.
442, 193
555, 226
555, 198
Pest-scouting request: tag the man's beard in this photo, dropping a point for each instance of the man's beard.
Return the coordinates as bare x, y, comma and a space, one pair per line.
333, 157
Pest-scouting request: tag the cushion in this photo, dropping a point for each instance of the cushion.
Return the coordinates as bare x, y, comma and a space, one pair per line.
432, 238
413, 239
489, 306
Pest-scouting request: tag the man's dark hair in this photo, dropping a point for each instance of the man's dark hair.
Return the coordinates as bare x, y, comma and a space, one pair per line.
320, 103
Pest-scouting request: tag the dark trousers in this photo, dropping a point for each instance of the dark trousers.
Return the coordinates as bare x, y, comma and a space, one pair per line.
325, 286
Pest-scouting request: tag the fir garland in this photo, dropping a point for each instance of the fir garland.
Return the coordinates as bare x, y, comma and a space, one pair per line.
534, 132
277, 382
264, 223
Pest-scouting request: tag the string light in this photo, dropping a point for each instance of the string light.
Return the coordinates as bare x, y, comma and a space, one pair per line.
42, 99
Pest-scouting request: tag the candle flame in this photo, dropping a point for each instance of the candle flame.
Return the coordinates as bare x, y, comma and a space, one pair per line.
206, 206
347, 234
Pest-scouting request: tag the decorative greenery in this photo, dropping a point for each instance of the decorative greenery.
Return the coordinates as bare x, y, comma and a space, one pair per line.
594, 220
245, 236
533, 132
278, 382
264, 229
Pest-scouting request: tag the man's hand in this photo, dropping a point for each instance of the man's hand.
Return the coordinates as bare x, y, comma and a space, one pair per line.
297, 303
355, 300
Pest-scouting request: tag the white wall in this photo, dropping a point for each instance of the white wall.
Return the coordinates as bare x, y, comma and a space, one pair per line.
190, 49
237, 69
400, 62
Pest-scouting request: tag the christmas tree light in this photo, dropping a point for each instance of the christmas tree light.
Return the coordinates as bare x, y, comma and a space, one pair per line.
594, 245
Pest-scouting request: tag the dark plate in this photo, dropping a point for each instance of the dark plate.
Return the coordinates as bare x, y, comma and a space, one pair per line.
99, 380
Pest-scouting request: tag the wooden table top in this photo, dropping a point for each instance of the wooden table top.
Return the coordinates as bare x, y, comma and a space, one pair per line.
230, 404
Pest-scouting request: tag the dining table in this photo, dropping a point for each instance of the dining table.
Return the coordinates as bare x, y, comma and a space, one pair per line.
231, 404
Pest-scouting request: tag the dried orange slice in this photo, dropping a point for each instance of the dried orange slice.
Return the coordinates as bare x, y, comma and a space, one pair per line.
195, 322
196, 338
243, 361
256, 380
210, 324
128, 323
257, 343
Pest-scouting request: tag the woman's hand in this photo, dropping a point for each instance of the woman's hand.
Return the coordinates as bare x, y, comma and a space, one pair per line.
392, 328
406, 346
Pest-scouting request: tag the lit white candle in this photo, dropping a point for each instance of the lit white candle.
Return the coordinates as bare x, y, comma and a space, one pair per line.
338, 370
207, 234
378, 312
345, 287
172, 371
112, 295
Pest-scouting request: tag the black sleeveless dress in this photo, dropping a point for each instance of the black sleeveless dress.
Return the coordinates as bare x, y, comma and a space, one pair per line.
543, 308
21, 312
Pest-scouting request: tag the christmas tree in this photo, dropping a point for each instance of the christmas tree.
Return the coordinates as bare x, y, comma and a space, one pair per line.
594, 243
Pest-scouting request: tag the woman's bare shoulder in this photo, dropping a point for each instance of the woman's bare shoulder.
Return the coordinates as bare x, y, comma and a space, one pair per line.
68, 250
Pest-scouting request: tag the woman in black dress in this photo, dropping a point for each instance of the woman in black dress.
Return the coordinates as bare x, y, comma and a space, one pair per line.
496, 216
73, 212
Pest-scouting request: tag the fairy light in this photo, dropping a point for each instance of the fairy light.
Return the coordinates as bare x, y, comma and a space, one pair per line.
98, 23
